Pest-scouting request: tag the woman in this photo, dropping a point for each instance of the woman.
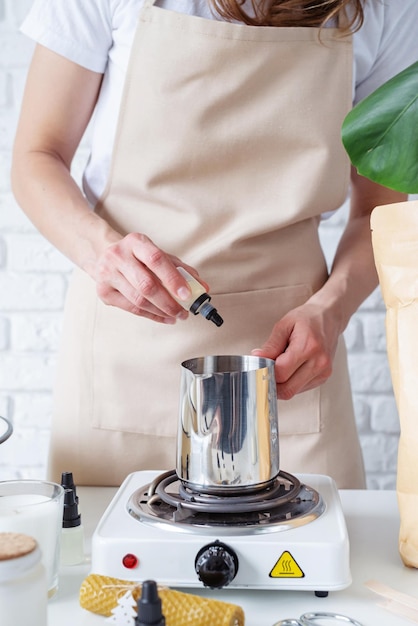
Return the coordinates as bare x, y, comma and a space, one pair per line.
215, 146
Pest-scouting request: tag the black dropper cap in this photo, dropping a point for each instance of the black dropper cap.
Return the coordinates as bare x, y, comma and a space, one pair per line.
208, 311
71, 517
214, 317
67, 481
149, 606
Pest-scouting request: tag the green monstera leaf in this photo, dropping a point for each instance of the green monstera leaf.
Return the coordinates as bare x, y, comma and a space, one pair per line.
380, 134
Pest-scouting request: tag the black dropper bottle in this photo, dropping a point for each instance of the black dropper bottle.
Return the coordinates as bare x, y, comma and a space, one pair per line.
72, 536
71, 517
149, 606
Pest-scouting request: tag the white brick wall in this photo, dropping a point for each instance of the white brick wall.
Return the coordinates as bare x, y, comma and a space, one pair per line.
33, 279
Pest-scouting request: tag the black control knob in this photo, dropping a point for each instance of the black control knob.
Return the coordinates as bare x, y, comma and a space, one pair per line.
216, 565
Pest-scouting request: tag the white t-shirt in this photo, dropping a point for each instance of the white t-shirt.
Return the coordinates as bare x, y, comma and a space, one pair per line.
98, 34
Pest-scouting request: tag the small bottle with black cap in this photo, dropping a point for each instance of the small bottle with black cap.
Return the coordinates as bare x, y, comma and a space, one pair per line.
72, 537
199, 301
149, 606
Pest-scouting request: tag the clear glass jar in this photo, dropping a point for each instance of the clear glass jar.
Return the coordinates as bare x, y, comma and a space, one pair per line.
23, 585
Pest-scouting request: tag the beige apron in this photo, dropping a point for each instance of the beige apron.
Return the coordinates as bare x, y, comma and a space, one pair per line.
227, 152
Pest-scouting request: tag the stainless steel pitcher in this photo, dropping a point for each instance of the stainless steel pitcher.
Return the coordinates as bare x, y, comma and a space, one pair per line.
228, 436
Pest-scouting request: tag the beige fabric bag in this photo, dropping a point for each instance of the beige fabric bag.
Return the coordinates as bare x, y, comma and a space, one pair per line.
395, 245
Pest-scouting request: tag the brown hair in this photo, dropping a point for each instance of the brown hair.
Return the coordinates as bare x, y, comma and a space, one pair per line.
313, 13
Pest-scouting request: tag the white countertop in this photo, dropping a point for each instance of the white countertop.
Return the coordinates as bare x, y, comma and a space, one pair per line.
373, 523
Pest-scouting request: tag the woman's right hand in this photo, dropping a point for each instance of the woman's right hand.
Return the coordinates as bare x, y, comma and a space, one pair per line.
131, 272
137, 276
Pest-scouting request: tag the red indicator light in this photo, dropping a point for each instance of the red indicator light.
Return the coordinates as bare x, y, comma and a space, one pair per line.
130, 561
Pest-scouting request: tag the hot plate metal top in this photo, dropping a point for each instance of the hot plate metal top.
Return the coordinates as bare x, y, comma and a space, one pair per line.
284, 504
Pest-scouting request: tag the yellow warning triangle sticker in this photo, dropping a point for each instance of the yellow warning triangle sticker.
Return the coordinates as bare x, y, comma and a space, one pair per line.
286, 567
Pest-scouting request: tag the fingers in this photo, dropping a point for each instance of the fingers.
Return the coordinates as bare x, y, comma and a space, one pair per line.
271, 349
163, 266
312, 373
113, 297
302, 354
137, 276
277, 342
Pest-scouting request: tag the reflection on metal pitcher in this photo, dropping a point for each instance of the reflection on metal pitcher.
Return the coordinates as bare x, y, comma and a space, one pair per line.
228, 430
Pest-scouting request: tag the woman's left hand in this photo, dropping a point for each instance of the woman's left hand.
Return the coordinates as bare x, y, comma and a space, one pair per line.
304, 341
303, 345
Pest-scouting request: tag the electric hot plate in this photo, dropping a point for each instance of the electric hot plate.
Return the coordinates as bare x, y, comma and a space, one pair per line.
290, 536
